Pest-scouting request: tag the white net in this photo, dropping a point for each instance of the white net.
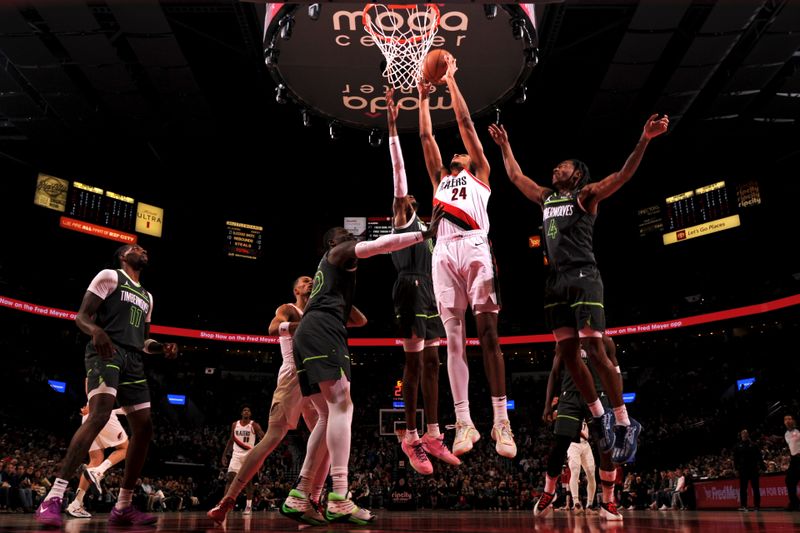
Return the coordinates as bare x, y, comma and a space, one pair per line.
404, 33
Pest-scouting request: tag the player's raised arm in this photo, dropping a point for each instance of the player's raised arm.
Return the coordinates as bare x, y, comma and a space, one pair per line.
401, 199
532, 190
465, 125
433, 157
346, 249
595, 192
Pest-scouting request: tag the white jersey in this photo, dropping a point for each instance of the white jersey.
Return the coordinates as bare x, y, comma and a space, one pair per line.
286, 344
244, 437
464, 199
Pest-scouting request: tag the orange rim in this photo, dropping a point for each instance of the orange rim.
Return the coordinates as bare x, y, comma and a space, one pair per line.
394, 7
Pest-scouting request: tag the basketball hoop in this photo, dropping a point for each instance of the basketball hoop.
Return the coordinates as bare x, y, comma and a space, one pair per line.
404, 33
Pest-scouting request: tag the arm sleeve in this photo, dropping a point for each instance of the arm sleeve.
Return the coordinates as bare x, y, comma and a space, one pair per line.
398, 168
387, 244
104, 283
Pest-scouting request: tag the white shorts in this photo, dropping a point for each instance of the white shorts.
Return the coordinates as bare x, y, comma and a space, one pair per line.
111, 436
464, 274
580, 455
288, 402
236, 461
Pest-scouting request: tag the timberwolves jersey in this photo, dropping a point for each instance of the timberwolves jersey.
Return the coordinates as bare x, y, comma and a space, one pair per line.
332, 291
124, 312
244, 437
568, 384
464, 199
568, 231
414, 259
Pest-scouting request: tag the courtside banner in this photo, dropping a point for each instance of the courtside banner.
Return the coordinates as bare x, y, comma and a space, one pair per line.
724, 493
651, 327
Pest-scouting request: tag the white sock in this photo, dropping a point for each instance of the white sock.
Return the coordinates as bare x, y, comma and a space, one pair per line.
59, 486
433, 430
249, 504
412, 435
596, 407
105, 465
462, 413
124, 499
79, 496
339, 477
621, 414
304, 485
499, 405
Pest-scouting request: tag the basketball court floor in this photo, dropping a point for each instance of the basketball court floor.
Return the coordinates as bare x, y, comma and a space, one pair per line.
450, 522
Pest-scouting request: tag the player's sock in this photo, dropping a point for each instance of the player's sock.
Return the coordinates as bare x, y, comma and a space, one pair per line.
124, 499
79, 496
621, 415
550, 484
105, 465
596, 407
433, 430
412, 435
499, 406
59, 487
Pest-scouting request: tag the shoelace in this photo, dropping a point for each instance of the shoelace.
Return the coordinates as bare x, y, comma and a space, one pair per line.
460, 430
505, 431
419, 452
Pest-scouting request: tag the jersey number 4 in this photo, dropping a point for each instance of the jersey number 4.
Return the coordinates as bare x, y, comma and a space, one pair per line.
459, 192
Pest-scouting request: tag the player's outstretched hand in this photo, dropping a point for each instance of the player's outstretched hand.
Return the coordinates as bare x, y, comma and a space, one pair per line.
498, 134
655, 126
424, 88
452, 68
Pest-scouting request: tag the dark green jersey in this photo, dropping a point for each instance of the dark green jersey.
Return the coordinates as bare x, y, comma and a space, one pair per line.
568, 231
568, 384
333, 290
414, 259
125, 311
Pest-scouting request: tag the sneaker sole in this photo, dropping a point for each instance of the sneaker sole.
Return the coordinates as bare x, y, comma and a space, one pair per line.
213, 516
49, 522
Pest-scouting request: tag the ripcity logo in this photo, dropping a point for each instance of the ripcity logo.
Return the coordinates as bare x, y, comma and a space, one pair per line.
345, 22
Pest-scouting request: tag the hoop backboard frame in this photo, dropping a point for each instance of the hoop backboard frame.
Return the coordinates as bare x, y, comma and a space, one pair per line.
322, 65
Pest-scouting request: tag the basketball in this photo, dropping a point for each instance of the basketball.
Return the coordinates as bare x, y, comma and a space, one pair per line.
435, 66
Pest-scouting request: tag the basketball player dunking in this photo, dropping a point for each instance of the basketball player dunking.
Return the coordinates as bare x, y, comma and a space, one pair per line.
573, 289
463, 267
417, 317
321, 356
245, 433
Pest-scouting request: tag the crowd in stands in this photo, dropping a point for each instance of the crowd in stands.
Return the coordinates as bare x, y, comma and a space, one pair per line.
687, 400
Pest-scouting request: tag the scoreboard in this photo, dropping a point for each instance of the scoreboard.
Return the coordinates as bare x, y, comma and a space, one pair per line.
92, 204
699, 212
95, 211
243, 240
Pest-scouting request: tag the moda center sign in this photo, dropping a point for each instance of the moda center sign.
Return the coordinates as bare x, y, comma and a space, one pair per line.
327, 62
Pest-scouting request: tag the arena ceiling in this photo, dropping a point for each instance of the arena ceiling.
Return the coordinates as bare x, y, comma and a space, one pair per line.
155, 98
